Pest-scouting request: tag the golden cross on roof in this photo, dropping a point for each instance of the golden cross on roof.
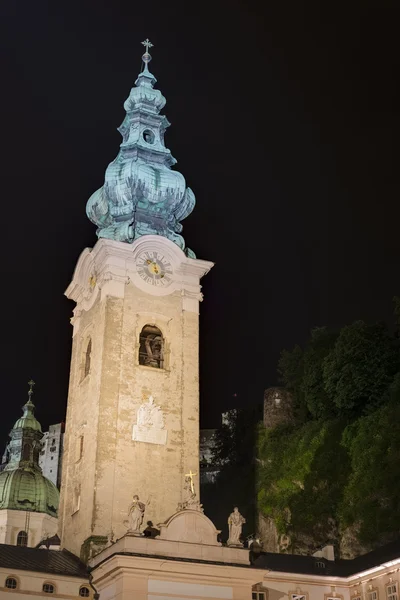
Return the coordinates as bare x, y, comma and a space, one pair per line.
191, 475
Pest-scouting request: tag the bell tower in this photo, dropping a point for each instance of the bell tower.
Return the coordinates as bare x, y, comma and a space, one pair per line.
132, 425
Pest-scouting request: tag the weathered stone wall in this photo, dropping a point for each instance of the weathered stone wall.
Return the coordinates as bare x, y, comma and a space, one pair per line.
103, 407
278, 407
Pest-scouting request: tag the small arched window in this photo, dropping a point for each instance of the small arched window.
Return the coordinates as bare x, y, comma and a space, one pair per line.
11, 583
84, 592
88, 355
48, 588
151, 347
22, 539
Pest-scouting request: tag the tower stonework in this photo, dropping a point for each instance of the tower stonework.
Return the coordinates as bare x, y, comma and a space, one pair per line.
132, 423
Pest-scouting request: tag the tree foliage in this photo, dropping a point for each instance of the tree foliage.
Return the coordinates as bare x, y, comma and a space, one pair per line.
300, 477
361, 367
314, 393
339, 465
372, 494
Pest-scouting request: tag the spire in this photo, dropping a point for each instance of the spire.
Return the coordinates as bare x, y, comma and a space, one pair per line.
29, 407
141, 194
22, 484
145, 78
25, 436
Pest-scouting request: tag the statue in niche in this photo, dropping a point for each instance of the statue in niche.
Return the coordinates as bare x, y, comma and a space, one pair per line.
235, 524
136, 514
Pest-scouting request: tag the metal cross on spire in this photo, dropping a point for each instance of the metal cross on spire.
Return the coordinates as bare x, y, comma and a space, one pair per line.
147, 44
31, 383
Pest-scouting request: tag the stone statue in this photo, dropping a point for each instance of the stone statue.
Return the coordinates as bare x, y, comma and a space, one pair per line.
150, 415
136, 514
235, 523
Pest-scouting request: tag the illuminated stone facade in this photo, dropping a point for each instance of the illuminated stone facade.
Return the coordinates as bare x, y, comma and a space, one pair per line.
103, 465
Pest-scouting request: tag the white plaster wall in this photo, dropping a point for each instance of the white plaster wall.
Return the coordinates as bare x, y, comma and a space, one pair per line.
51, 454
30, 585
14, 521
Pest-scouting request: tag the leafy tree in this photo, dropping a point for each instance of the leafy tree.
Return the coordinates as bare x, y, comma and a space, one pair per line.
316, 398
300, 478
359, 370
371, 497
290, 371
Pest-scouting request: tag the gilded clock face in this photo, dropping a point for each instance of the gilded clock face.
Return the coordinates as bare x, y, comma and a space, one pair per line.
154, 268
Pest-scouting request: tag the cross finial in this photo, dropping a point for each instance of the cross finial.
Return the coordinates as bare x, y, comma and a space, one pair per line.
146, 58
191, 475
31, 383
147, 44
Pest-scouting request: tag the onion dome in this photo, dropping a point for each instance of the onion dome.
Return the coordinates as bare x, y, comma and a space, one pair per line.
141, 195
22, 484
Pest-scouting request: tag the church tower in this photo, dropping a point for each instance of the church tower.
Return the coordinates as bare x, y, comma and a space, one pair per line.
132, 424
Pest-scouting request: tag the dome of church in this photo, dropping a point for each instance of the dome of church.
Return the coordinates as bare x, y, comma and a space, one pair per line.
27, 489
28, 419
22, 484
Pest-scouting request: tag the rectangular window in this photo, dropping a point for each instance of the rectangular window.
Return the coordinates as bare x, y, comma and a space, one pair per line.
298, 597
391, 592
258, 596
372, 595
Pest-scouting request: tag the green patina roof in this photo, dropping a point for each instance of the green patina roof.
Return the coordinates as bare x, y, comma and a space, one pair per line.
28, 419
22, 484
27, 489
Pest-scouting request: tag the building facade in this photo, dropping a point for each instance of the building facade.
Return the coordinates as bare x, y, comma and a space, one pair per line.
50, 458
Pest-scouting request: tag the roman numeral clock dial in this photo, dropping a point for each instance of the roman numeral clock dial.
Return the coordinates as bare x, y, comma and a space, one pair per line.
154, 268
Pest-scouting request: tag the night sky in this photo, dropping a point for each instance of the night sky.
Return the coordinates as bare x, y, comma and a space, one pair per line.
285, 123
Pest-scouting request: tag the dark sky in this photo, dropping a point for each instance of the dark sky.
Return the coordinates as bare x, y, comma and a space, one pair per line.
285, 123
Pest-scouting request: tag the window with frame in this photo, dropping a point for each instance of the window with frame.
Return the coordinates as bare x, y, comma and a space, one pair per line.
356, 597
151, 347
372, 595
259, 592
298, 597
84, 592
48, 588
11, 583
22, 539
391, 591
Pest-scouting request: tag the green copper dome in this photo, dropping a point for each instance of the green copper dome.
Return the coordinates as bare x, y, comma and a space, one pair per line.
141, 194
28, 489
22, 484
28, 419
